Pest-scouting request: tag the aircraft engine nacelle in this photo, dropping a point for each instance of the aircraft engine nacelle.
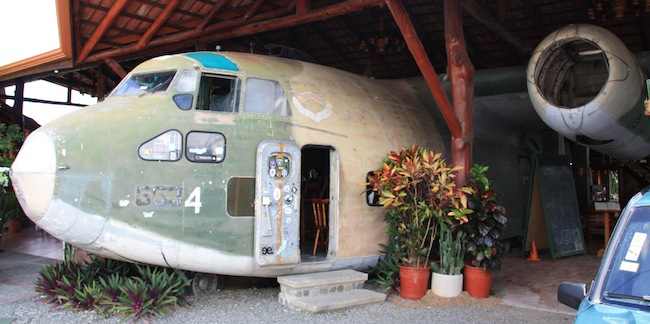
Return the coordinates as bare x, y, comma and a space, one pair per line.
587, 86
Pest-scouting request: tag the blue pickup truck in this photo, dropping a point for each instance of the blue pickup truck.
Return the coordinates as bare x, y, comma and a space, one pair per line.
620, 293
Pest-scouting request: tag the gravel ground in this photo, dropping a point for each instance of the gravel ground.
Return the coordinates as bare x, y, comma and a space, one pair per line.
258, 303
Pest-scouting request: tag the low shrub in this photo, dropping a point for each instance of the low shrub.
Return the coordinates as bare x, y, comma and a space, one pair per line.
112, 288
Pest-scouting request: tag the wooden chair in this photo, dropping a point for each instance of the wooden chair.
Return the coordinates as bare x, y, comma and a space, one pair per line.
320, 207
311, 189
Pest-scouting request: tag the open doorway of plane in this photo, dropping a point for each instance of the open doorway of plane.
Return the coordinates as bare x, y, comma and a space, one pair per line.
317, 171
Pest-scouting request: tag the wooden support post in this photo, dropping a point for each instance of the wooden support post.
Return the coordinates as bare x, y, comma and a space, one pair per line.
461, 77
101, 83
17, 109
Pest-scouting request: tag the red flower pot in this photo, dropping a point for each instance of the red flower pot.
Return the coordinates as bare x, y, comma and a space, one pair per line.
413, 282
477, 281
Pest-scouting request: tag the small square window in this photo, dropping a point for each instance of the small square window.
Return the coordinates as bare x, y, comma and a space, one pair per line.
206, 147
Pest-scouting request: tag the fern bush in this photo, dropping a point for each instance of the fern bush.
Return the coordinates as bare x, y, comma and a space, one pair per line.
112, 288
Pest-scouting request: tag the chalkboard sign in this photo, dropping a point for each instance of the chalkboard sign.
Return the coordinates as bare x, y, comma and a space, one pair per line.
559, 205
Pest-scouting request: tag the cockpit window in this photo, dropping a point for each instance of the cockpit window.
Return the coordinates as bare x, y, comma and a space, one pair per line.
266, 97
217, 93
187, 81
167, 146
144, 82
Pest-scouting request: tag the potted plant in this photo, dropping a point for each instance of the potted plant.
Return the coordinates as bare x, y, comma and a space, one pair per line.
417, 188
10, 211
447, 280
484, 234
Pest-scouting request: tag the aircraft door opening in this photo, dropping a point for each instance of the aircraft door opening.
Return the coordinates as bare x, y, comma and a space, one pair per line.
316, 202
277, 213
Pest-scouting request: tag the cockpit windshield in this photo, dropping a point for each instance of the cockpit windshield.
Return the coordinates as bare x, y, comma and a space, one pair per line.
628, 276
142, 83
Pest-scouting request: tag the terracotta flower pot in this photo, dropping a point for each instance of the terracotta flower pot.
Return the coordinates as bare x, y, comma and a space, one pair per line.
414, 282
477, 281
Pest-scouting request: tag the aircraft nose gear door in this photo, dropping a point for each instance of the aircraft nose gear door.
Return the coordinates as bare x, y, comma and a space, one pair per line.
277, 199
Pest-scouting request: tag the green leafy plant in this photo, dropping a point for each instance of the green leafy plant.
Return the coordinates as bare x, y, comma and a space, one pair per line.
452, 252
486, 224
111, 287
385, 274
11, 138
417, 187
53, 280
69, 251
151, 294
132, 303
164, 288
88, 296
9, 208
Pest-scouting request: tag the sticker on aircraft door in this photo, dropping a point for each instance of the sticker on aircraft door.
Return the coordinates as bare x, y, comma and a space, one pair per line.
312, 105
279, 165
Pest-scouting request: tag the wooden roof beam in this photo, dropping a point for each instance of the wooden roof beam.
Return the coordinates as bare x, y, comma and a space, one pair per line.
232, 28
302, 6
106, 23
37, 72
76, 21
208, 18
422, 59
116, 67
251, 12
338, 9
483, 15
64, 82
164, 15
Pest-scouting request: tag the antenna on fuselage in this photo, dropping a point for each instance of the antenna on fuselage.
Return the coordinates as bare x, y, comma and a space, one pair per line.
218, 48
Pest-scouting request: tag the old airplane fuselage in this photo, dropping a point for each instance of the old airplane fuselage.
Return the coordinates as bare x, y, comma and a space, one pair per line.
204, 161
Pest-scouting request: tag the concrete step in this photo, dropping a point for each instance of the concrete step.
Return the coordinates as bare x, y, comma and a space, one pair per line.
314, 284
316, 292
327, 302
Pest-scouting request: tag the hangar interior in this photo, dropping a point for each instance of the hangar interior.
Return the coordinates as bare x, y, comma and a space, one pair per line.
102, 40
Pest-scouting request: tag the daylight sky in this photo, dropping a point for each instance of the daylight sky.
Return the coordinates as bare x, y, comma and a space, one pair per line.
31, 29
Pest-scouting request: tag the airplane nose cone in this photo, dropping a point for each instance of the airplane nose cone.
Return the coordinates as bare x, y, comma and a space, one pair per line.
33, 174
